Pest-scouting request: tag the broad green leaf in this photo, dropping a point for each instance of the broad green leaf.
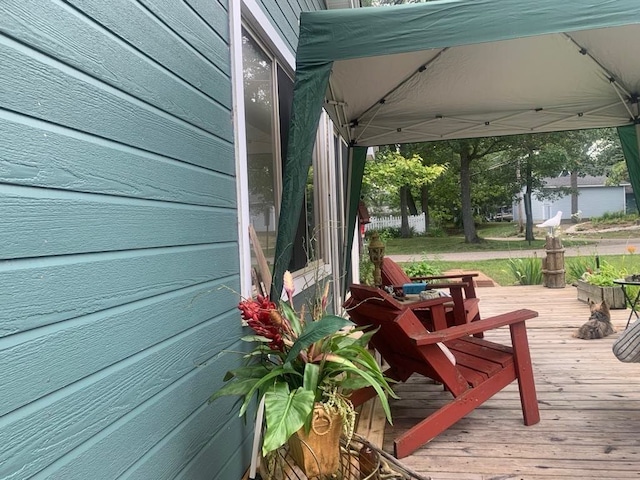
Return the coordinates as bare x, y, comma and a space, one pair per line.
250, 371
311, 376
275, 375
292, 317
314, 331
255, 338
379, 384
236, 387
285, 413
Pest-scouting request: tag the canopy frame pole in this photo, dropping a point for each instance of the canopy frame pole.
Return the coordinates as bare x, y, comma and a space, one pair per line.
595, 110
421, 69
584, 51
339, 108
613, 81
364, 129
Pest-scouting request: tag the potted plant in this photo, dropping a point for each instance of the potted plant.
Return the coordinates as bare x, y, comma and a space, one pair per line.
598, 285
304, 369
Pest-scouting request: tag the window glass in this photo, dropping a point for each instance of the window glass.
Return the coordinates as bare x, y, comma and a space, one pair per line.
259, 117
268, 97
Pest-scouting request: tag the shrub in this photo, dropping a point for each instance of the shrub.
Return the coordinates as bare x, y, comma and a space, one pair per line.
366, 270
612, 218
527, 271
436, 231
605, 275
420, 269
387, 233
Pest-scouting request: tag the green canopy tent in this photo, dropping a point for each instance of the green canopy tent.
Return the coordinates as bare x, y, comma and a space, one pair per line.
459, 69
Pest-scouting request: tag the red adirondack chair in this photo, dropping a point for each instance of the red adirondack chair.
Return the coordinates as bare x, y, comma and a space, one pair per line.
482, 368
463, 307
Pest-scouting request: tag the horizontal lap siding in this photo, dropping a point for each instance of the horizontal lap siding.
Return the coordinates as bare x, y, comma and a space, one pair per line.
284, 15
118, 226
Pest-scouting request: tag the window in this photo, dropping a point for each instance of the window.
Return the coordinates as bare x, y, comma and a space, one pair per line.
268, 97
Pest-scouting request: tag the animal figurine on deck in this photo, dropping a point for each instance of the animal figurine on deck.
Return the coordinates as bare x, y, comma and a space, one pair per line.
599, 323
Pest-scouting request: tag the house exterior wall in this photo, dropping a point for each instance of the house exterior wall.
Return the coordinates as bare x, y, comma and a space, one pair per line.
284, 15
118, 226
593, 201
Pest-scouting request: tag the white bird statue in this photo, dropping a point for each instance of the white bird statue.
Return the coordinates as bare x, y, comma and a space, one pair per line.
551, 223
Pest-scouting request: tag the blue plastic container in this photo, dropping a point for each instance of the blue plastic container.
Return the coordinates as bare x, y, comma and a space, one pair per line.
414, 288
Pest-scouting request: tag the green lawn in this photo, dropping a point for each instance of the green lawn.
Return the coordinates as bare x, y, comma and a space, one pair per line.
504, 236
498, 269
455, 243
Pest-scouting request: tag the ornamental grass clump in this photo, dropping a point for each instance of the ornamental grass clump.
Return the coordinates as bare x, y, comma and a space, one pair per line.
299, 361
527, 271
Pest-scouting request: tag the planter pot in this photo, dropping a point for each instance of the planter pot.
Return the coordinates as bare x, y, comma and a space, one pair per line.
318, 452
614, 296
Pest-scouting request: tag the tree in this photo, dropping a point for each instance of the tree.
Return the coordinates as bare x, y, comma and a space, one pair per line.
392, 174
470, 150
493, 183
539, 156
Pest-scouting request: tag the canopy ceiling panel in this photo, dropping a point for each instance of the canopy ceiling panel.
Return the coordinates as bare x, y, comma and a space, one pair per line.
458, 69
523, 85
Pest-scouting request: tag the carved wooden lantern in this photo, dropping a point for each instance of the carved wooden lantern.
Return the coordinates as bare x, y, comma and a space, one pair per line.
376, 254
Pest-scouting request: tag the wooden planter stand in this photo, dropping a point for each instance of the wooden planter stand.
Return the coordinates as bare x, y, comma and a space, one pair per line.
614, 296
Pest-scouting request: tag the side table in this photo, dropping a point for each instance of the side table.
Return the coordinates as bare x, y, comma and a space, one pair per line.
632, 281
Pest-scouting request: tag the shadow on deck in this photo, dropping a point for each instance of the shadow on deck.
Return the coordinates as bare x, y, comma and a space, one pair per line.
589, 404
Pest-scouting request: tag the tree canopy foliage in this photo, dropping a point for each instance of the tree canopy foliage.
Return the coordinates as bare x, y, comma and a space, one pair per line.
481, 175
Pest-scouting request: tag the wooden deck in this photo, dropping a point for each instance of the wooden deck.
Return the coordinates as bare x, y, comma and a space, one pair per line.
589, 402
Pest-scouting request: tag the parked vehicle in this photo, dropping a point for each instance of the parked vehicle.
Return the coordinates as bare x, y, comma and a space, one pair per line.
504, 214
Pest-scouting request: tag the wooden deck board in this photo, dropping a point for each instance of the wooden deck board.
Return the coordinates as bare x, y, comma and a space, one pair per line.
589, 404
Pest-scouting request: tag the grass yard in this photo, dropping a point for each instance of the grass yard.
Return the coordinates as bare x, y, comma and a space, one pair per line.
503, 236
499, 271
455, 243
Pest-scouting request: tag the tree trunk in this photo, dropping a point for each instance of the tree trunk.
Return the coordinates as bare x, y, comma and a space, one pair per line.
424, 201
574, 192
527, 203
405, 232
470, 235
521, 215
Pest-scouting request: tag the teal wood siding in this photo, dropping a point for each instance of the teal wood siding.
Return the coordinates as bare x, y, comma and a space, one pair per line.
118, 241
284, 15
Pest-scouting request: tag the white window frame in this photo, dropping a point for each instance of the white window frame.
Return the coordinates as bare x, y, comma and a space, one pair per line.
249, 15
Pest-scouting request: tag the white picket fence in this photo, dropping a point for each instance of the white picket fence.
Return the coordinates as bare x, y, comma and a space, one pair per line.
377, 223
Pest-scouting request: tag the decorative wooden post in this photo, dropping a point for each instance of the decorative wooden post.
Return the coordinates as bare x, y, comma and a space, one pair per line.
376, 254
553, 264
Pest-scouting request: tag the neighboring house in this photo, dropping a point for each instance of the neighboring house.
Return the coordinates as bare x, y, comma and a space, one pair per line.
594, 199
132, 136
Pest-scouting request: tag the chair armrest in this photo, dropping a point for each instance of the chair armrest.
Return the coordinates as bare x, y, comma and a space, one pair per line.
427, 304
444, 277
451, 333
455, 285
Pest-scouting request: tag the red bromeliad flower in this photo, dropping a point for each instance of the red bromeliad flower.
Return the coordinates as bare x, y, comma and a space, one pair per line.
263, 317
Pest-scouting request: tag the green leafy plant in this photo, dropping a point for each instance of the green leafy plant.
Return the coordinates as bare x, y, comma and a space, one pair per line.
605, 275
298, 362
527, 271
366, 270
420, 269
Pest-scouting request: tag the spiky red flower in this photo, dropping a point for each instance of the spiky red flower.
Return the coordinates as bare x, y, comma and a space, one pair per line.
260, 316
